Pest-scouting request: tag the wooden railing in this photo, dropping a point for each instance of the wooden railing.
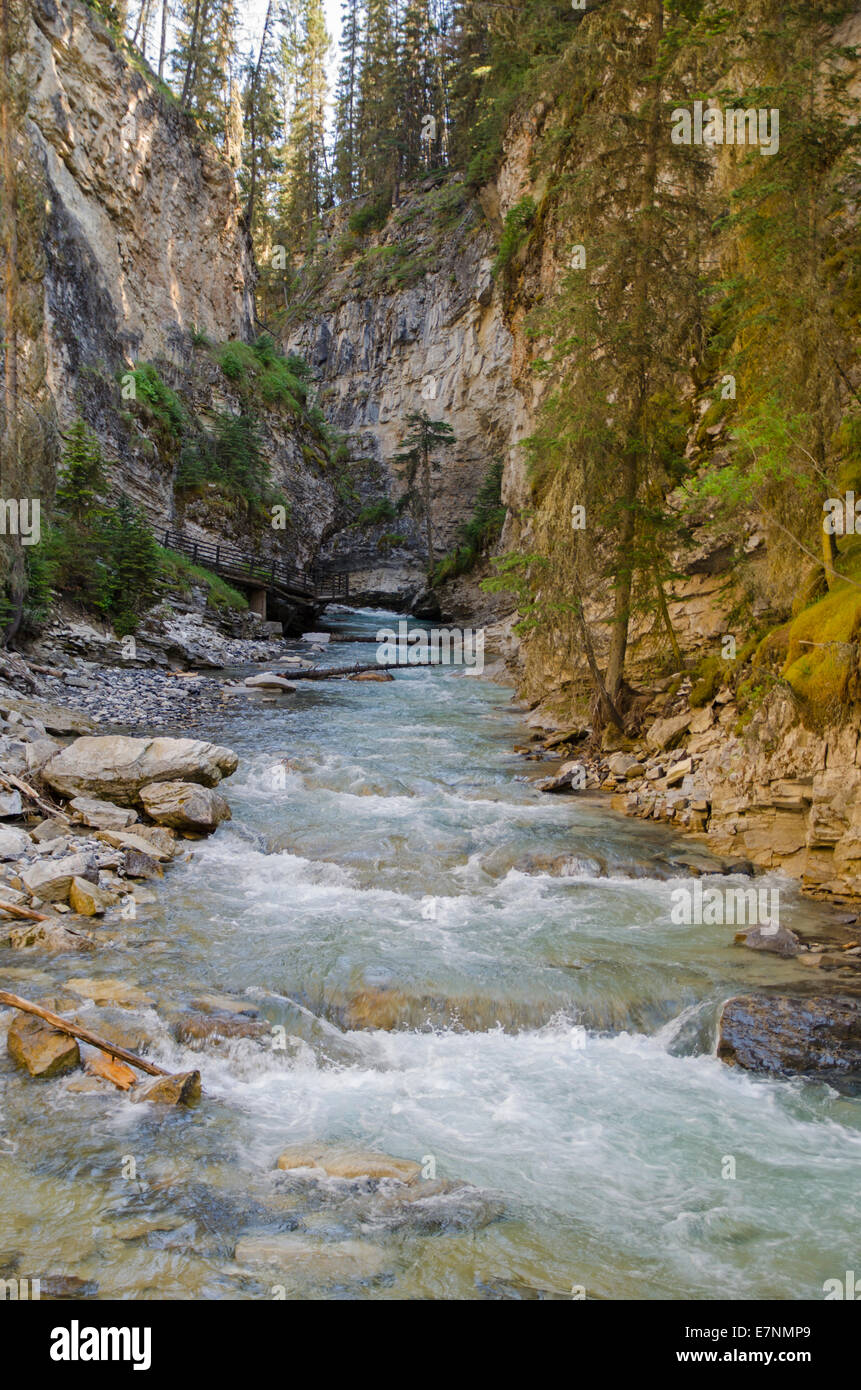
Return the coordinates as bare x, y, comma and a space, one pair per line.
260, 570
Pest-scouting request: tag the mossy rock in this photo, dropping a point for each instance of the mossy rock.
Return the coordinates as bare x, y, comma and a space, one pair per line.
822, 657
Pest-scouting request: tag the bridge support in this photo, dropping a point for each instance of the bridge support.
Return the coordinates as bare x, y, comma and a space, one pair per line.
257, 601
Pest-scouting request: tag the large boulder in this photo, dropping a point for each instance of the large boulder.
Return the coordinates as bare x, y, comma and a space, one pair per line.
185, 806
117, 767
788, 1035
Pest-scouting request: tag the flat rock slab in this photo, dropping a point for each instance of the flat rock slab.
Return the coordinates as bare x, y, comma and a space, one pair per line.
110, 991
103, 815
57, 719
130, 839
336, 1161
268, 680
787, 1035
40, 1049
116, 767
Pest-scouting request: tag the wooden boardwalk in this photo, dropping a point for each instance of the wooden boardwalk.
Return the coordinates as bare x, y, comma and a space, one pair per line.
258, 572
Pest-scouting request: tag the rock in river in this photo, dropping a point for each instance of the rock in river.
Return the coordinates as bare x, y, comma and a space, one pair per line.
117, 767
40, 1049
787, 1035
185, 806
336, 1161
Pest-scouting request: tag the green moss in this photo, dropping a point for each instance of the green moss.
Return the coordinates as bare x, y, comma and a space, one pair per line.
822, 650
712, 674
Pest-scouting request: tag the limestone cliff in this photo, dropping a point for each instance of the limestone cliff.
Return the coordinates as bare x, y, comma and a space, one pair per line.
405, 319
142, 258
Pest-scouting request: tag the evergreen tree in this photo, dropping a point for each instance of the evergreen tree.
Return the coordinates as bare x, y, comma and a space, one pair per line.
309, 191
345, 159
422, 440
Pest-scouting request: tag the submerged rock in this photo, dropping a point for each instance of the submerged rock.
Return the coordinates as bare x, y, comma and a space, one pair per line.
315, 1260
180, 1089
111, 991
787, 1035
185, 806
117, 767
41, 1050
49, 936
215, 1028
336, 1161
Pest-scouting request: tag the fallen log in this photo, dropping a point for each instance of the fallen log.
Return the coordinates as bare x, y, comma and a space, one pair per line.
15, 911
10, 780
74, 1030
328, 673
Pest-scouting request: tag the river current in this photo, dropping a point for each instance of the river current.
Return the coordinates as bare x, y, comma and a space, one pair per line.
388, 896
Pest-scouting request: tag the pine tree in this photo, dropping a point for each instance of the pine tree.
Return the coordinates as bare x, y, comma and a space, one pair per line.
345, 159
203, 59
378, 135
422, 440
309, 190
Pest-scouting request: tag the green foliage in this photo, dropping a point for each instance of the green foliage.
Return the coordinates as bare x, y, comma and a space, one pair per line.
229, 455
481, 531
372, 217
158, 401
518, 222
101, 555
180, 574
375, 512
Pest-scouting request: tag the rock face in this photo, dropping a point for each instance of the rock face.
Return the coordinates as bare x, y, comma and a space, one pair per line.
793, 1036
119, 161
185, 806
40, 1049
439, 344
117, 767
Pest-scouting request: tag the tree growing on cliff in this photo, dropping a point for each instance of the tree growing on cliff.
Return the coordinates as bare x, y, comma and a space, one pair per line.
422, 440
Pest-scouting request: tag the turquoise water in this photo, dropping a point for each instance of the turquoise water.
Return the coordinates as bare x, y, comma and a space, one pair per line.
547, 1038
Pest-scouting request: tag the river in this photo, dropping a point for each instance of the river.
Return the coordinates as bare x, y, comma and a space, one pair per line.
554, 1047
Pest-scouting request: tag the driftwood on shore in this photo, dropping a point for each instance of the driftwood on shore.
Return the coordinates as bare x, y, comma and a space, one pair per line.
8, 779
328, 673
85, 1035
15, 911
